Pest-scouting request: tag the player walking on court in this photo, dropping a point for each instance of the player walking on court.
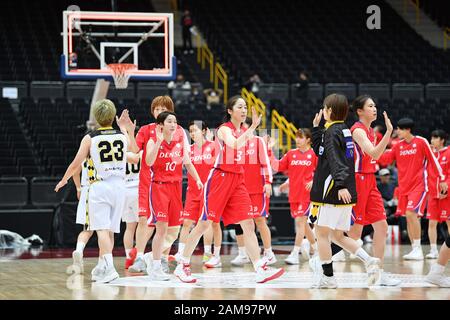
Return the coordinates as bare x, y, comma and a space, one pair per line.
415, 161
437, 272
202, 155
225, 194
438, 203
106, 148
333, 192
165, 157
300, 164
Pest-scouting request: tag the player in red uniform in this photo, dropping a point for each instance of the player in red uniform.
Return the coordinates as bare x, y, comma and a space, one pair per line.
369, 208
258, 181
299, 164
225, 194
412, 154
437, 206
144, 231
166, 156
202, 156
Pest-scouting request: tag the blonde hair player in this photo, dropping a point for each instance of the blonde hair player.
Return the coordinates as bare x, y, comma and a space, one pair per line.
106, 148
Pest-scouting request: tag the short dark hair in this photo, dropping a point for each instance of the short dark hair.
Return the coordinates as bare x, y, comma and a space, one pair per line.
304, 132
359, 102
338, 104
405, 123
199, 123
163, 116
439, 133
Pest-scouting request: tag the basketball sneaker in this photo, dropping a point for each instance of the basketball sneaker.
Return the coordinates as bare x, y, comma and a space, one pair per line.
158, 274
214, 262
292, 259
325, 283
265, 273
165, 264
387, 281
434, 254
240, 260
129, 261
373, 271
206, 257
77, 258
183, 272
107, 275
175, 258
315, 265
415, 254
96, 273
437, 277
138, 266
339, 257
270, 258
305, 249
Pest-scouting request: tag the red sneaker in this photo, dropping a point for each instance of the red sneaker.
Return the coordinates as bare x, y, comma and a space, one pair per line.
129, 262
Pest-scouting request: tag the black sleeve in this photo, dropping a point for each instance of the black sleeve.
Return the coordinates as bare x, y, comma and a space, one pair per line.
317, 133
335, 152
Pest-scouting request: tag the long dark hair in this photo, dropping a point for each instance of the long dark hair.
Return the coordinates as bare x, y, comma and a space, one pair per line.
229, 106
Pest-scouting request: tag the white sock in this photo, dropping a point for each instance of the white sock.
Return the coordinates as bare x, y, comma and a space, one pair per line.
181, 247
416, 243
101, 262
140, 255
268, 251
362, 254
360, 242
242, 251
80, 246
127, 253
296, 249
156, 264
216, 251
108, 258
434, 247
207, 249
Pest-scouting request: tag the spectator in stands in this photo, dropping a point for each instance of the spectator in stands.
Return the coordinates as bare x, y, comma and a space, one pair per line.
302, 85
253, 84
196, 98
212, 97
387, 187
186, 24
179, 90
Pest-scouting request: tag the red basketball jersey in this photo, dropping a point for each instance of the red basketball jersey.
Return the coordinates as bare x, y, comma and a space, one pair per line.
257, 170
364, 163
144, 134
433, 179
229, 159
203, 160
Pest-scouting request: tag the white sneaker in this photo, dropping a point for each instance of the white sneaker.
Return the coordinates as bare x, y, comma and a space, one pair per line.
326, 283
158, 275
240, 260
437, 277
305, 248
107, 275
373, 271
292, 259
434, 254
165, 264
77, 264
265, 273
315, 265
214, 262
415, 254
96, 273
138, 266
183, 272
339, 257
387, 281
270, 258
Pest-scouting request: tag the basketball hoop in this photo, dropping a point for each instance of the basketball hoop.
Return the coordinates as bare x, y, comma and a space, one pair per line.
121, 72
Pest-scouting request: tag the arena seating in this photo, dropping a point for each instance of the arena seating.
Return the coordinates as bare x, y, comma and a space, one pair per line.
278, 39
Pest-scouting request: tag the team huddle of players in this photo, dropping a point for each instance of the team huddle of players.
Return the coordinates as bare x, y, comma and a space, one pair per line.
331, 182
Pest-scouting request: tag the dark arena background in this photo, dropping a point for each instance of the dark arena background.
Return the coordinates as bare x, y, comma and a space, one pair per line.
282, 57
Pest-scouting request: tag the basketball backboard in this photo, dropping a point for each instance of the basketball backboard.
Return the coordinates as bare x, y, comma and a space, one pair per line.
92, 40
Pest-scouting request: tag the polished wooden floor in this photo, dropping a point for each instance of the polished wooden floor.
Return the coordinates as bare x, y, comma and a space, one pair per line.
35, 277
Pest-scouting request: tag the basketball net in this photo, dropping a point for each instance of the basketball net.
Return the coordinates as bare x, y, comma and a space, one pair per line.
121, 73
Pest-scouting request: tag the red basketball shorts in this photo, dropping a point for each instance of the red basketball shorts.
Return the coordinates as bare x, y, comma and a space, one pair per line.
300, 209
260, 205
165, 203
192, 207
369, 208
225, 197
414, 201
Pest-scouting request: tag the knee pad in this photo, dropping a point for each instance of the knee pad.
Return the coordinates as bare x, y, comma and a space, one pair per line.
238, 229
447, 241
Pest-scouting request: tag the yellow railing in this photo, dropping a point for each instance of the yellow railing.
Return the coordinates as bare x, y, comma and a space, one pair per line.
286, 131
220, 74
446, 36
207, 56
416, 5
260, 107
